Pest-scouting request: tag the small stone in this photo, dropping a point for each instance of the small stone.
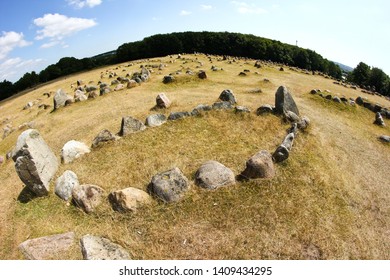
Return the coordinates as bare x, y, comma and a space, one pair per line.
202, 75
73, 150
162, 101
178, 115
65, 184
87, 197
168, 79
265, 109
241, 109
103, 137
228, 95
155, 120
384, 138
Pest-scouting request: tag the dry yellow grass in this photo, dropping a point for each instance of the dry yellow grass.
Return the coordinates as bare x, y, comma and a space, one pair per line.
329, 200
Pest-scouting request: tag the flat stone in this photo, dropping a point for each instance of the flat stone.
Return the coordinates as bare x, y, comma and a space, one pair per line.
155, 120
129, 199
131, 125
100, 248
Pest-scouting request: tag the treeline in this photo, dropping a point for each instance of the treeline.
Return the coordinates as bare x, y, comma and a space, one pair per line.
370, 78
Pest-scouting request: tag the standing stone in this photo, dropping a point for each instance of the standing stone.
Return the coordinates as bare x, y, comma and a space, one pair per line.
47, 247
65, 184
162, 101
155, 120
228, 95
284, 101
212, 175
169, 186
100, 248
130, 125
35, 163
73, 150
379, 120
61, 99
282, 152
128, 199
259, 165
103, 137
87, 197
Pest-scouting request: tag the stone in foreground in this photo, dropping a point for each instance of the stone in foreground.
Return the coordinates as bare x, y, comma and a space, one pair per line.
65, 184
283, 151
284, 102
212, 175
35, 162
169, 186
87, 197
100, 248
259, 165
129, 199
47, 247
73, 150
130, 125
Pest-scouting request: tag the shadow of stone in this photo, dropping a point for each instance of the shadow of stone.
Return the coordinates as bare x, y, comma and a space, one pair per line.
26, 195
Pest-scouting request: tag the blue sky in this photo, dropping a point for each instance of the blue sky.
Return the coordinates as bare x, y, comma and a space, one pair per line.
37, 33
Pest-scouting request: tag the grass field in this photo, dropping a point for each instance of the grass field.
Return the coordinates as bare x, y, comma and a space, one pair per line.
329, 200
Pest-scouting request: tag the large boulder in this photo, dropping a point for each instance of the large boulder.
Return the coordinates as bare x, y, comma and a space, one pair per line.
47, 247
169, 186
100, 248
61, 99
259, 165
130, 125
129, 199
35, 162
87, 197
65, 184
228, 95
212, 175
283, 151
284, 101
162, 101
155, 120
73, 150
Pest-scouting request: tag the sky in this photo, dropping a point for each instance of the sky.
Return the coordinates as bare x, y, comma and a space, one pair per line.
37, 33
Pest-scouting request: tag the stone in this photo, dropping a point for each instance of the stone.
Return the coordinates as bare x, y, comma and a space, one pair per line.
100, 248
65, 184
314, 91
202, 75
88, 197
384, 138
178, 115
28, 105
79, 96
201, 108
282, 152
290, 116
80, 82
329, 97
104, 91
155, 120
91, 88
303, 123
359, 101
337, 99
169, 186
35, 163
241, 109
119, 87
228, 95
73, 150
1, 159
132, 84
369, 106
93, 94
168, 79
47, 247
265, 109
379, 120
131, 125
61, 99
284, 101
212, 175
129, 199
162, 101
103, 137
259, 165
222, 105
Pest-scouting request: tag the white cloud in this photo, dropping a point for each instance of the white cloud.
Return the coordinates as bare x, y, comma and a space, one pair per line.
245, 8
14, 68
49, 45
185, 13
56, 26
79, 4
206, 7
9, 41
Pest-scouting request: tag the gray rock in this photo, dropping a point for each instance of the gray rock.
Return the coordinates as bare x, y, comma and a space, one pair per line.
104, 91
100, 248
47, 247
265, 109
359, 101
201, 108
202, 75
337, 99
93, 94
114, 82
65, 184
73, 150
155, 120
303, 123
87, 197
228, 95
103, 137
169, 186
329, 97
212, 175
291, 116
222, 105
282, 152
131, 125
379, 120
284, 101
241, 109
129, 199
178, 115
35, 163
79, 96
384, 138
119, 87
91, 88
162, 101
315, 91
132, 84
168, 79
61, 99
259, 165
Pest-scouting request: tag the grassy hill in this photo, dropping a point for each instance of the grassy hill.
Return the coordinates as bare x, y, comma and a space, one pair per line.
329, 200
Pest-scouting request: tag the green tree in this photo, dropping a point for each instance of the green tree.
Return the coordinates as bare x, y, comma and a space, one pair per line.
361, 74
